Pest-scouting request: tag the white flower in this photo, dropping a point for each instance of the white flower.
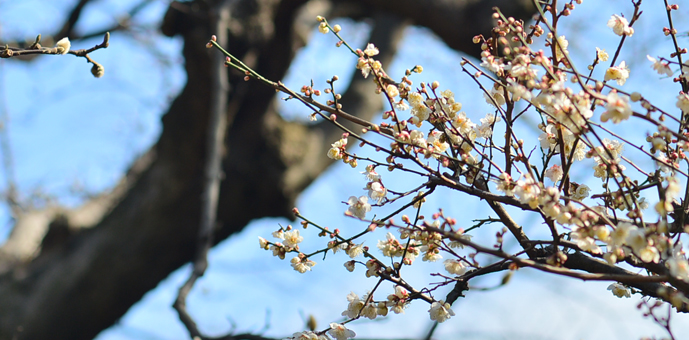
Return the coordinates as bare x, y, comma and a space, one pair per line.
619, 290
485, 130
683, 102
660, 67
431, 256
323, 28
355, 250
340, 332
350, 265
390, 246
292, 238
371, 174
561, 50
399, 300
518, 91
440, 311
527, 191
355, 305
601, 54
371, 50
620, 25
376, 191
305, 335
335, 151
420, 113
434, 142
581, 192
63, 46
456, 267
279, 234
358, 207
364, 66
457, 244
302, 265
679, 267
619, 236
586, 243
505, 184
618, 108
392, 91
496, 96
262, 242
554, 173
489, 62
619, 73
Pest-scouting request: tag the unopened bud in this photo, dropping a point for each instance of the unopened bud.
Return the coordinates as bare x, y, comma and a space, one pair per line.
97, 70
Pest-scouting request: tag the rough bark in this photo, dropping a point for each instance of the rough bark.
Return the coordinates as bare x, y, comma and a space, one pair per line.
73, 278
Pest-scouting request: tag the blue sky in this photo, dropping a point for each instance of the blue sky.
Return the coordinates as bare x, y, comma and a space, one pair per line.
74, 135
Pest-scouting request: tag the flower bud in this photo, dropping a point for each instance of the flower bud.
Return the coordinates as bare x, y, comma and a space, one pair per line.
97, 70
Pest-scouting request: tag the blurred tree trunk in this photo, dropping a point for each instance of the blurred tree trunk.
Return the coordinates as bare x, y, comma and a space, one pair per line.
80, 282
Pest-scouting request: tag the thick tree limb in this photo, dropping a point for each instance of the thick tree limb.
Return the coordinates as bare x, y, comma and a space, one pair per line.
217, 126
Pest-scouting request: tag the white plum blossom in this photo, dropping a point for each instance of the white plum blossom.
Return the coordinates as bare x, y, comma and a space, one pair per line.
660, 67
561, 49
376, 191
555, 173
489, 62
601, 54
355, 250
390, 246
308, 335
617, 108
620, 25
485, 130
340, 332
371, 174
279, 234
506, 184
618, 73
434, 142
581, 192
683, 102
455, 266
420, 113
586, 243
302, 265
262, 242
292, 238
527, 191
336, 149
392, 91
458, 244
431, 255
679, 267
440, 311
350, 265
355, 305
365, 67
371, 50
496, 96
63, 45
619, 290
358, 206
518, 91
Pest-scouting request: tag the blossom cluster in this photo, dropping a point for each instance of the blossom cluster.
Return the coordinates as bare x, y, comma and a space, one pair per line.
426, 133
